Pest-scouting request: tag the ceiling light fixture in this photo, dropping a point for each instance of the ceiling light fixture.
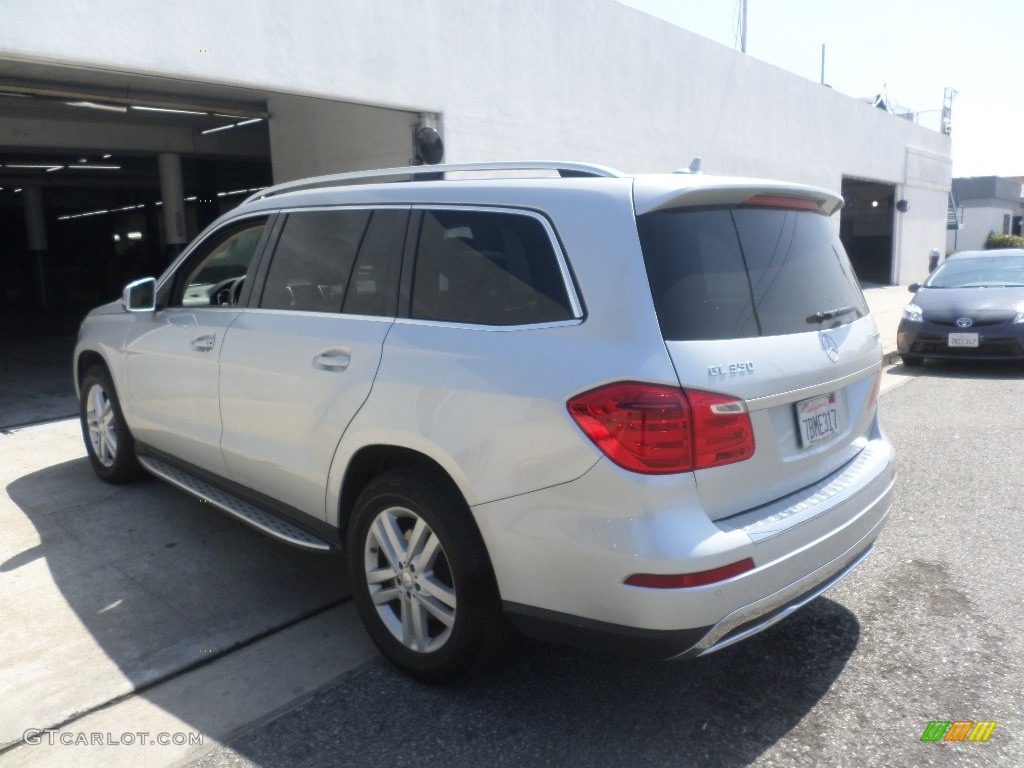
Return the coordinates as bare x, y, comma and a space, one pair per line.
97, 167
219, 128
168, 109
95, 105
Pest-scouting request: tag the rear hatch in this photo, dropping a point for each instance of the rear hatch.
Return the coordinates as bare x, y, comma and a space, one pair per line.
756, 299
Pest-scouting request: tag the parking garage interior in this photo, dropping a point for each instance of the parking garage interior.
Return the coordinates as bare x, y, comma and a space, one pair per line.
106, 176
866, 229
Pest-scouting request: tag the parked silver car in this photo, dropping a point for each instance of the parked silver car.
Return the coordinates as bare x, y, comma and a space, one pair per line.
634, 412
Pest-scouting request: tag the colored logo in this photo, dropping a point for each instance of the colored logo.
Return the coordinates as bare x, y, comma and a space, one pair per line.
958, 730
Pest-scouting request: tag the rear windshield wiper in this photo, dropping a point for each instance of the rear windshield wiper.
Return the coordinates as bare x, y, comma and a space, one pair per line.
828, 314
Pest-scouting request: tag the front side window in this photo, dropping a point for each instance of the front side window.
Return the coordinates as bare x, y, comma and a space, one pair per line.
487, 268
744, 272
215, 274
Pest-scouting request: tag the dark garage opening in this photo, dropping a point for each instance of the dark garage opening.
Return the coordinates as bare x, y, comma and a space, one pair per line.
866, 228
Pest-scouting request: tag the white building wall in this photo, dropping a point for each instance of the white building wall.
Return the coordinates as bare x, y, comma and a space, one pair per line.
977, 221
587, 80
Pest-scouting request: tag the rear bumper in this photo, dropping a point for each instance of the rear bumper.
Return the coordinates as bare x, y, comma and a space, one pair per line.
564, 581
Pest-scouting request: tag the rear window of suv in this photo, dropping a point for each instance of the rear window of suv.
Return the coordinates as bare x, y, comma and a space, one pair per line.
729, 273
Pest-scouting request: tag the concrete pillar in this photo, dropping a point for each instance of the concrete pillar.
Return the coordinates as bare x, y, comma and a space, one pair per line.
35, 226
172, 194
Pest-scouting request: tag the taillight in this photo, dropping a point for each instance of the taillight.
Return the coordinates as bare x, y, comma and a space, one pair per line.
654, 429
683, 580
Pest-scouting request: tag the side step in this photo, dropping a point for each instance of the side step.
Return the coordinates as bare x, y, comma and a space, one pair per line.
233, 505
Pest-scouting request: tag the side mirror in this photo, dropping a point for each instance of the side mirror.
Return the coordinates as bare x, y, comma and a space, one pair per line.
139, 296
914, 287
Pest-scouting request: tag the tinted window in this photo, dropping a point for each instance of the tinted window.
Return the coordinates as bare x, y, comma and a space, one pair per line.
737, 273
313, 260
373, 288
487, 268
213, 275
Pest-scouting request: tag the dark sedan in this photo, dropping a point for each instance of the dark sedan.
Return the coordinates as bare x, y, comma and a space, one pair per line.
972, 306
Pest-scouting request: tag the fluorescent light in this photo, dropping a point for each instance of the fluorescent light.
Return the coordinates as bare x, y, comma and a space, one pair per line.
167, 109
97, 167
94, 105
229, 117
190, 199
220, 128
134, 235
33, 166
117, 238
250, 122
17, 190
107, 157
236, 192
55, 168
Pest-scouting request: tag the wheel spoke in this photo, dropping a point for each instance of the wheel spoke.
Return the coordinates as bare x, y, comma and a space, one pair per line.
385, 595
431, 548
441, 592
379, 531
420, 534
406, 619
419, 626
440, 612
380, 575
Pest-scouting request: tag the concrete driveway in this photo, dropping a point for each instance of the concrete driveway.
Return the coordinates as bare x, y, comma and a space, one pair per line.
111, 591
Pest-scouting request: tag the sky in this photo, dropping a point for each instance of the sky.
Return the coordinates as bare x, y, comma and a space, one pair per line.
909, 49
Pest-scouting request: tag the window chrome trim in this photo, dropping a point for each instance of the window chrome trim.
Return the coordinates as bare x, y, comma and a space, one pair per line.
563, 266
478, 327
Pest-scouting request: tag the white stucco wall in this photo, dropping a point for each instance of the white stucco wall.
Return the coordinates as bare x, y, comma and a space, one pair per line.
976, 223
587, 80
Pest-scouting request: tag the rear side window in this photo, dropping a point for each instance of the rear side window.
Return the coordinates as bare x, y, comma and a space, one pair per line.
337, 260
745, 272
487, 268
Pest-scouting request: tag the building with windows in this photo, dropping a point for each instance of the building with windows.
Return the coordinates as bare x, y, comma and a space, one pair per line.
127, 126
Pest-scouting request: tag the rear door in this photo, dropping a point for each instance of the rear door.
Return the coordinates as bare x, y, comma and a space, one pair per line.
299, 363
759, 301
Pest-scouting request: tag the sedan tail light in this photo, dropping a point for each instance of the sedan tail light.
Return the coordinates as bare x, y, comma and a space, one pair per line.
655, 429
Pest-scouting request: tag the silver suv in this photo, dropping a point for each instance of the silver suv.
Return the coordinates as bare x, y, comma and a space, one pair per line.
633, 412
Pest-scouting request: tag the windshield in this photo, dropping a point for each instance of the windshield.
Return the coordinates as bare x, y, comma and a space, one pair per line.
979, 272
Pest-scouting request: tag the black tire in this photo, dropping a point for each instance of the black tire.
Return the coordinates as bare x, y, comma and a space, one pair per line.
912, 361
109, 443
460, 570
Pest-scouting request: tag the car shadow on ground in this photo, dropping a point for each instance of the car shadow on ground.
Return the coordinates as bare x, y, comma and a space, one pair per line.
554, 705
997, 370
159, 580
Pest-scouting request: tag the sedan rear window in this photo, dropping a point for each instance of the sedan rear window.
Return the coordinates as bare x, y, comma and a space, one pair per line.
745, 272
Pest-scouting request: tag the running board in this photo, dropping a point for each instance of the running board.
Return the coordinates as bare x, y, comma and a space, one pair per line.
233, 505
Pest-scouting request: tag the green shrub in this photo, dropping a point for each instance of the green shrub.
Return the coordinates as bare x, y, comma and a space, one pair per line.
999, 240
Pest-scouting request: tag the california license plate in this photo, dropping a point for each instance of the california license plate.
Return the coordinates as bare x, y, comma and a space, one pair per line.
963, 340
818, 418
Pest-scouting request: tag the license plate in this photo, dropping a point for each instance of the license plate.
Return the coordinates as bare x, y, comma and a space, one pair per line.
818, 418
963, 340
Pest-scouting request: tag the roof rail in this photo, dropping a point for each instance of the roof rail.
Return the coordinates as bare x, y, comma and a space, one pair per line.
566, 170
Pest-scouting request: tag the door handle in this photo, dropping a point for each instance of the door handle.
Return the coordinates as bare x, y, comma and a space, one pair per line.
333, 359
205, 342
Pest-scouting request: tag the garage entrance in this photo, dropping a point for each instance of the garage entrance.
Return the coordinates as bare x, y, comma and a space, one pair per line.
106, 176
866, 228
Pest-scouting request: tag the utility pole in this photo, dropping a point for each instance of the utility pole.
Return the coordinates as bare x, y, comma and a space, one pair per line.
743, 26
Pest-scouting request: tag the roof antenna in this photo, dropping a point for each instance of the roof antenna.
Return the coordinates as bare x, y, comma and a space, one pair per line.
694, 166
